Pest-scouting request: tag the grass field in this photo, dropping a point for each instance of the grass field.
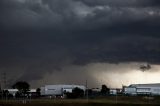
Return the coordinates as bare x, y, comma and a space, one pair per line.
107, 101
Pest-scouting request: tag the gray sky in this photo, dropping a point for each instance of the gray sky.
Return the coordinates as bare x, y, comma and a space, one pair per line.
60, 41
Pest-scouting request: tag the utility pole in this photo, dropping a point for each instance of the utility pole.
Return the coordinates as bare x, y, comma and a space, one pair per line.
87, 90
4, 80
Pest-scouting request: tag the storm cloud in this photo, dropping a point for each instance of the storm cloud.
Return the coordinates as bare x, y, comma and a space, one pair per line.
38, 37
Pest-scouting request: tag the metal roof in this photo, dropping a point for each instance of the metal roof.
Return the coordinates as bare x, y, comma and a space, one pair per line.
145, 85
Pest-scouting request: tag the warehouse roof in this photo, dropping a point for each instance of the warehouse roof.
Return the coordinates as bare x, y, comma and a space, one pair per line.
145, 85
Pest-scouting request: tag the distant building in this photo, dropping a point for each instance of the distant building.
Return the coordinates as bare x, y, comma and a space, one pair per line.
14, 91
142, 89
96, 90
59, 90
115, 91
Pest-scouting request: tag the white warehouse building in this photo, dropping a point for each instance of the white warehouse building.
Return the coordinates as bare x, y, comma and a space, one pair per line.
142, 89
56, 90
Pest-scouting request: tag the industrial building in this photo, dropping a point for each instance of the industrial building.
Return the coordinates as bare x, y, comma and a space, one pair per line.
59, 90
14, 91
115, 91
142, 89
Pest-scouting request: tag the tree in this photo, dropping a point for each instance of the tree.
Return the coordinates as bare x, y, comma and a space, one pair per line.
105, 90
38, 91
5, 93
76, 93
18, 95
22, 86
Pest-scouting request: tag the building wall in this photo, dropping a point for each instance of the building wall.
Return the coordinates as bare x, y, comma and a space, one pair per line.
113, 91
14, 91
42, 90
151, 89
130, 90
155, 90
58, 89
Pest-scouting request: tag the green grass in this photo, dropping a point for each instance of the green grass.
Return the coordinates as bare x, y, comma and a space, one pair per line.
100, 101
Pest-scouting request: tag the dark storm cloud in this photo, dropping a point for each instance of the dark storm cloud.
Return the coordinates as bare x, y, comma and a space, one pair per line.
45, 35
122, 3
117, 2
72, 14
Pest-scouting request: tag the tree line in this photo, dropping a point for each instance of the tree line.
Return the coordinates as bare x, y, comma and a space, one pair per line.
24, 88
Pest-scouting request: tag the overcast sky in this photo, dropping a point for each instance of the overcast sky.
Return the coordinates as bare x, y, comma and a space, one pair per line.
69, 41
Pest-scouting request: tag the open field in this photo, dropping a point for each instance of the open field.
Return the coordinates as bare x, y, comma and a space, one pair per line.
107, 101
